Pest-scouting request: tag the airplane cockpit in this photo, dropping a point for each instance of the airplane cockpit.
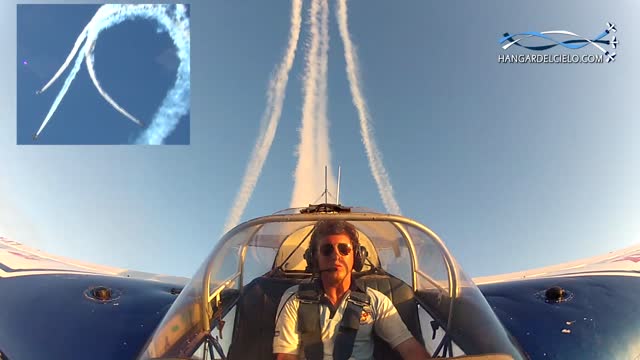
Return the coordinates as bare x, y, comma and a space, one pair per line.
228, 309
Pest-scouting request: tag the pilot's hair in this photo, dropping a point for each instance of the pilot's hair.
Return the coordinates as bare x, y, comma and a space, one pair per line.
325, 228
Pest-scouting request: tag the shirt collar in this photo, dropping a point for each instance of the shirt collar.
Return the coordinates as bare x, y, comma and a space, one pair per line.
355, 285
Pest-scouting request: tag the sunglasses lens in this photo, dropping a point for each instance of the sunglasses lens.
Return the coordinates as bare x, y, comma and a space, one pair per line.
344, 249
326, 249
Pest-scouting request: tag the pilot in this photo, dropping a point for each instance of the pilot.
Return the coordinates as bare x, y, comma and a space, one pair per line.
334, 318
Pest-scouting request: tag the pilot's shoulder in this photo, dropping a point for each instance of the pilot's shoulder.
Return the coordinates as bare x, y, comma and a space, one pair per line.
290, 292
289, 299
376, 296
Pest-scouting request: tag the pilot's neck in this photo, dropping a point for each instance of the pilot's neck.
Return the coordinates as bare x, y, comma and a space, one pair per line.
335, 290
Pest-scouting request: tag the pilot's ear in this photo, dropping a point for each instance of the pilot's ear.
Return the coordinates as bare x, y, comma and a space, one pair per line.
363, 252
308, 257
358, 258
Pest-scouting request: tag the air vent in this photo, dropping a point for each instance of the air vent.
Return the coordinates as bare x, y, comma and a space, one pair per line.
102, 294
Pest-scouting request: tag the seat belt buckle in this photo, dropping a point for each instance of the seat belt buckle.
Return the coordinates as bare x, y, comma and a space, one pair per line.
360, 300
308, 300
358, 303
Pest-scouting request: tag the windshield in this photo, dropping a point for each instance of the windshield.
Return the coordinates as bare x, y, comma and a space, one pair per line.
273, 244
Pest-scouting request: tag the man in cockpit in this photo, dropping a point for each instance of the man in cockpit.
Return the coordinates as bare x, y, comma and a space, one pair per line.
333, 318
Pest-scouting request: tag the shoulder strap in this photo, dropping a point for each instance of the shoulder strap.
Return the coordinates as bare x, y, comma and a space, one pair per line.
346, 337
309, 321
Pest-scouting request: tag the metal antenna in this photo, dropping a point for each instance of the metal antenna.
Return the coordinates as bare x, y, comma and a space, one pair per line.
338, 189
326, 191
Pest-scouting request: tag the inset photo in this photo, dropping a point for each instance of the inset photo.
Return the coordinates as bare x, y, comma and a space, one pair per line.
103, 74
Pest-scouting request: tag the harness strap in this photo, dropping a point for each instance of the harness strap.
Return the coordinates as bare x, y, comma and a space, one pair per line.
309, 321
346, 337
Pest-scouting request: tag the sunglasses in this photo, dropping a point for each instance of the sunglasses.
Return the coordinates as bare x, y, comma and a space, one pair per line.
343, 249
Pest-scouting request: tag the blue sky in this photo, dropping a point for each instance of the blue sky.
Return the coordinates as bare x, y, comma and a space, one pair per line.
134, 63
515, 166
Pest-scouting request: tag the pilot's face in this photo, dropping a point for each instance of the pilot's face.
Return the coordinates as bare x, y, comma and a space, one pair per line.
335, 251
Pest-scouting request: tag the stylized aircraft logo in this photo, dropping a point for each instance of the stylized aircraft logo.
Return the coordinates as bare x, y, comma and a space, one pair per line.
516, 39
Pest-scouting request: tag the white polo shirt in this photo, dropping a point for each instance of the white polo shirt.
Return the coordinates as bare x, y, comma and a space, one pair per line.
381, 314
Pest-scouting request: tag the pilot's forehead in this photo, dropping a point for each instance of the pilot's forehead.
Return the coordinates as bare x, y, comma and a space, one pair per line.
335, 238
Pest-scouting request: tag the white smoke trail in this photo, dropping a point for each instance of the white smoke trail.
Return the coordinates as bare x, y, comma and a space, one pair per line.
313, 150
373, 154
304, 182
67, 61
323, 149
270, 118
89, 61
171, 18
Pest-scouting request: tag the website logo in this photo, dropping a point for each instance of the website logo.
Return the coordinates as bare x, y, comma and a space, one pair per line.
545, 40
